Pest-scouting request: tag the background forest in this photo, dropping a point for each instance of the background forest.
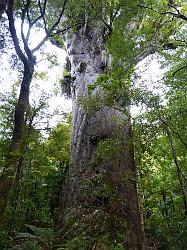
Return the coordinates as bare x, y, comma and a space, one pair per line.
39, 160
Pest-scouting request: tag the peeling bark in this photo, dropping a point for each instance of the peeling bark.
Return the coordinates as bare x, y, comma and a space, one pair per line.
101, 203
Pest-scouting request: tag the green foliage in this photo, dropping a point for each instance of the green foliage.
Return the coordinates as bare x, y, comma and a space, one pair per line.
108, 149
66, 73
38, 238
42, 167
163, 202
160, 136
91, 103
5, 239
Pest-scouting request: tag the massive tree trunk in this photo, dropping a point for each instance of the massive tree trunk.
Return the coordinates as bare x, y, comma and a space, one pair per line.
101, 209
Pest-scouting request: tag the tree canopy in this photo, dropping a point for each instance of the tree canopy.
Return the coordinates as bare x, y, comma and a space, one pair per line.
36, 167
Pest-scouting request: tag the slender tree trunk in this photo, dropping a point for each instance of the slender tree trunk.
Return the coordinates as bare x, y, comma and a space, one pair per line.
26, 55
16, 190
178, 171
8, 174
101, 205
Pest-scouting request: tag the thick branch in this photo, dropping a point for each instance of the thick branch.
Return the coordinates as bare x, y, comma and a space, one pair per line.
59, 18
40, 44
177, 15
49, 33
25, 39
184, 67
42, 14
14, 33
42, 11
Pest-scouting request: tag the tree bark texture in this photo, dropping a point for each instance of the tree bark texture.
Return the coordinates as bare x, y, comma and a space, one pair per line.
100, 207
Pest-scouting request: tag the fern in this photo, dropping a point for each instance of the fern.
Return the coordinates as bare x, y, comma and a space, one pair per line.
39, 237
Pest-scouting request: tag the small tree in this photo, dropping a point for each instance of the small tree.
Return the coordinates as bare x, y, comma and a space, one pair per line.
33, 14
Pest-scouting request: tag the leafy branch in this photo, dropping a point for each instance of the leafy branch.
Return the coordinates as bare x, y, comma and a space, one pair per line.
177, 15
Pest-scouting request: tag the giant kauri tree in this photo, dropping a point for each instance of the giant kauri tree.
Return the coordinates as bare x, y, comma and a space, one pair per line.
100, 207
104, 40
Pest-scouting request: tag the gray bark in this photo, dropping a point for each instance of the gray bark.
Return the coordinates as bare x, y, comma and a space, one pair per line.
101, 205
